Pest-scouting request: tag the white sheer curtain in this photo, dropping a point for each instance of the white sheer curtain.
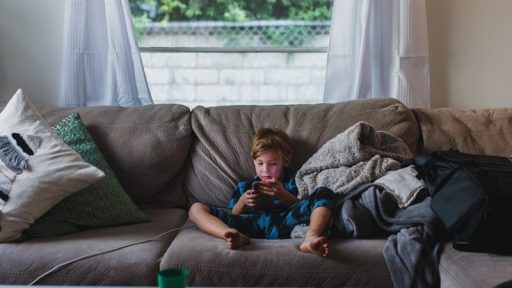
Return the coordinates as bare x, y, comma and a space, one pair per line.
379, 48
102, 63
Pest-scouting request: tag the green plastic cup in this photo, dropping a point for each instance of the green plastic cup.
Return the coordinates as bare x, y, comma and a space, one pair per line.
172, 278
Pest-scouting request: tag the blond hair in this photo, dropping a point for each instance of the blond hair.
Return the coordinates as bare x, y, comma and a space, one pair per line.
271, 139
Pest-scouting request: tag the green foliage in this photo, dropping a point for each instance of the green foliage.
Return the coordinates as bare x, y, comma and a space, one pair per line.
163, 11
231, 10
171, 10
308, 9
138, 23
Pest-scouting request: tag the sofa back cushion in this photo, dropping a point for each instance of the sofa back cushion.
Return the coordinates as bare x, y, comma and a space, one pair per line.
145, 146
220, 153
482, 131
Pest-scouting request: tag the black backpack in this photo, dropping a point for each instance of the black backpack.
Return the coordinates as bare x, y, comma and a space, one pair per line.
472, 196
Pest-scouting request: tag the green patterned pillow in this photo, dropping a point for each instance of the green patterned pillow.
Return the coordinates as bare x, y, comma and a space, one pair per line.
102, 204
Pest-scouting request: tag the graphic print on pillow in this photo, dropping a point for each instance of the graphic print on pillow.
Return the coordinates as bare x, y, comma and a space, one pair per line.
14, 154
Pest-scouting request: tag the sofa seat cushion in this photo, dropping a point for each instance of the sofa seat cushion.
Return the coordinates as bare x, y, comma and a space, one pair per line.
351, 263
473, 270
136, 265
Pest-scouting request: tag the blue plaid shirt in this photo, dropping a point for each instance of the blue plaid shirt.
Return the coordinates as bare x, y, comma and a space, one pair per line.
278, 222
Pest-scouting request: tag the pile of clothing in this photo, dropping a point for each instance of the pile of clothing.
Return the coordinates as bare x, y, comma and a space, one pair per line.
377, 196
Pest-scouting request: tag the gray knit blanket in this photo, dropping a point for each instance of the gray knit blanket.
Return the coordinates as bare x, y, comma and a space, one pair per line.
357, 156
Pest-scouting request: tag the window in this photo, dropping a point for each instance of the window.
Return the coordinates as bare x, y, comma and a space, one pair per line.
227, 52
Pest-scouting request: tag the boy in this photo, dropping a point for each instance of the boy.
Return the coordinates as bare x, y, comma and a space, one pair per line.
267, 206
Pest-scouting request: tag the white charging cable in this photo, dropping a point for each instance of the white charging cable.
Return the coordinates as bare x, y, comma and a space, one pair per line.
55, 268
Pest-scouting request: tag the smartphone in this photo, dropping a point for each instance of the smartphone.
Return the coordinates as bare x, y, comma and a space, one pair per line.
256, 186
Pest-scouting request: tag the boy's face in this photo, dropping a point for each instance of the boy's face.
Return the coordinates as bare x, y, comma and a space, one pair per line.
269, 165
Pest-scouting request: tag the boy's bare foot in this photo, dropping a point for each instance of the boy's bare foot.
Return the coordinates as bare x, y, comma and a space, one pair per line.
235, 239
315, 244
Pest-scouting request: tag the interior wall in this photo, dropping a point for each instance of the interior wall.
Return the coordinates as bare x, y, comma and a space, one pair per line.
470, 53
470, 43
30, 48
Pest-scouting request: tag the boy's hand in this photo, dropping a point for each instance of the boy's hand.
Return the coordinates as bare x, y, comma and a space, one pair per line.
272, 188
252, 198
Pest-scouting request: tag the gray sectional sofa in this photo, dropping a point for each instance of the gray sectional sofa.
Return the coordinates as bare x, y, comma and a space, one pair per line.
167, 157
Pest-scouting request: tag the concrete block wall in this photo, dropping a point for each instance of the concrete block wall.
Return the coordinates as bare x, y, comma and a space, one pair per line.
212, 79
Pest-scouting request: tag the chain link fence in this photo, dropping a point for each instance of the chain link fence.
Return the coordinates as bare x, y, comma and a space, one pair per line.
271, 33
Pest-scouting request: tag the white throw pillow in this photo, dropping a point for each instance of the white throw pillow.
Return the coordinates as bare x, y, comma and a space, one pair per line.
37, 169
